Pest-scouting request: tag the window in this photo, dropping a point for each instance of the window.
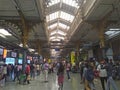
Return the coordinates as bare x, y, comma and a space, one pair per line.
52, 37
66, 16
53, 2
56, 39
52, 26
63, 26
52, 33
60, 37
52, 16
61, 32
72, 3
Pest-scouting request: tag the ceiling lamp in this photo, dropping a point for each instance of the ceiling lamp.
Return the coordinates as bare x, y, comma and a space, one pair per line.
5, 32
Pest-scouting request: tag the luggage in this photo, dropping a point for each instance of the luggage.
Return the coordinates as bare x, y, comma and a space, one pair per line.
22, 78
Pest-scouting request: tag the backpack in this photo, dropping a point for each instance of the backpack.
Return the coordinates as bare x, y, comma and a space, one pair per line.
89, 74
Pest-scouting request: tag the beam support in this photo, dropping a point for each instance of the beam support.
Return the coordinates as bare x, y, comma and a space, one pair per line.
101, 29
38, 45
25, 28
25, 31
77, 50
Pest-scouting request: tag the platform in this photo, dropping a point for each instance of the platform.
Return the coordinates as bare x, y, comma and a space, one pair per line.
39, 84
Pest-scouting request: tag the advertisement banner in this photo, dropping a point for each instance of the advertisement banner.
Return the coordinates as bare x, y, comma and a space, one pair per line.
72, 57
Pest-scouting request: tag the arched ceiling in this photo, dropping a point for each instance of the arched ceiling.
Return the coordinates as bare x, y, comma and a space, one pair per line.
10, 20
59, 17
57, 23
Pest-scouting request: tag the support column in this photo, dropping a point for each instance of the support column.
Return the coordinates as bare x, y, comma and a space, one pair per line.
77, 50
38, 49
25, 32
24, 36
38, 46
102, 37
24, 58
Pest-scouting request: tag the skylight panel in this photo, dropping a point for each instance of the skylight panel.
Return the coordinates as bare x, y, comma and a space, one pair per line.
84, 1
56, 39
72, 3
52, 33
53, 2
52, 26
68, 27
61, 32
5, 32
52, 37
63, 26
52, 16
66, 16
61, 37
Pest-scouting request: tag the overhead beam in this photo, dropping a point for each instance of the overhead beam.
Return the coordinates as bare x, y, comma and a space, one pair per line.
60, 28
66, 8
60, 20
38, 45
57, 35
59, 48
25, 30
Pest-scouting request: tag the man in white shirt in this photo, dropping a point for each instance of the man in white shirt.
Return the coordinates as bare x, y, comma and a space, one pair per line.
102, 73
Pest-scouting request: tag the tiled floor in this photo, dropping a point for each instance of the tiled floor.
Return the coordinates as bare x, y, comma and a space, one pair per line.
39, 84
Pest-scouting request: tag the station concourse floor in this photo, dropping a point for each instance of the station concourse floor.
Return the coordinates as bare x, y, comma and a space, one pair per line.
39, 84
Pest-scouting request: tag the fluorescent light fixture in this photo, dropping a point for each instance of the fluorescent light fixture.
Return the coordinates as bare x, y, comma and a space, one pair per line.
31, 50
2, 36
114, 29
21, 45
36, 52
5, 32
112, 33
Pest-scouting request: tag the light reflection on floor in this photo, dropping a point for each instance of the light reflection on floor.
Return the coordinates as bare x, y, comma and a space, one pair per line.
39, 84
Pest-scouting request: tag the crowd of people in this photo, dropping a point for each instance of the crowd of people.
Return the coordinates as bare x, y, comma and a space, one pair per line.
104, 70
